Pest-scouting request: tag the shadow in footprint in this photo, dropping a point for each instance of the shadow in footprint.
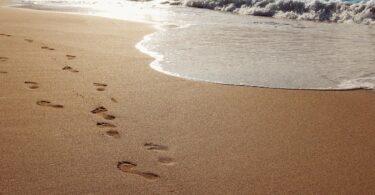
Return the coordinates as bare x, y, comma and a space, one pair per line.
3, 59
70, 57
155, 147
104, 124
3, 72
70, 69
113, 133
128, 167
29, 40
47, 48
48, 104
32, 85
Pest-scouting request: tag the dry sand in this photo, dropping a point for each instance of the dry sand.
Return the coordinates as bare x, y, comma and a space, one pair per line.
172, 136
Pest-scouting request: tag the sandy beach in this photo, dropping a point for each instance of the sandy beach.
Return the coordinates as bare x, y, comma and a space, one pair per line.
81, 112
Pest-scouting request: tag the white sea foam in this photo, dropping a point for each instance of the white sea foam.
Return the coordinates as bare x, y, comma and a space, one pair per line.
231, 49
316, 10
358, 83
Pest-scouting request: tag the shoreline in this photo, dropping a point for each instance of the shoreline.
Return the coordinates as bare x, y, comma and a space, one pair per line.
172, 136
344, 85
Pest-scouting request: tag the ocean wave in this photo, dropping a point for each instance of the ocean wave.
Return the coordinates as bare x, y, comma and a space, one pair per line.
314, 10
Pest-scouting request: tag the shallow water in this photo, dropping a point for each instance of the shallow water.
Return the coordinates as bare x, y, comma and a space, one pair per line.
226, 48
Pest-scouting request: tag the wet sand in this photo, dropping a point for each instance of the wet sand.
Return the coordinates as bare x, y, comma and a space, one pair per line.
81, 112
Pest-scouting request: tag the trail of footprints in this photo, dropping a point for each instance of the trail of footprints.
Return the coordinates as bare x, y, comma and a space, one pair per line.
124, 166
4, 59
35, 85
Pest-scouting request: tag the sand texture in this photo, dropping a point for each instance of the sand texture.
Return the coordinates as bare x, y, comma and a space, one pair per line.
81, 112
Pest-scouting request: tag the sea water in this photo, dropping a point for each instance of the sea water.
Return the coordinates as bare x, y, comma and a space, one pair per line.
299, 44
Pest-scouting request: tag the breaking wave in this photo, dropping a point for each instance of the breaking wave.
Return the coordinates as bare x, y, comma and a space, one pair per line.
313, 10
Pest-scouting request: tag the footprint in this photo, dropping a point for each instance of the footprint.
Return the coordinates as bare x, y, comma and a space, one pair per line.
101, 86
3, 72
156, 147
166, 160
49, 104
32, 85
104, 124
70, 57
70, 69
3, 59
101, 111
125, 166
29, 40
128, 167
47, 48
113, 133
